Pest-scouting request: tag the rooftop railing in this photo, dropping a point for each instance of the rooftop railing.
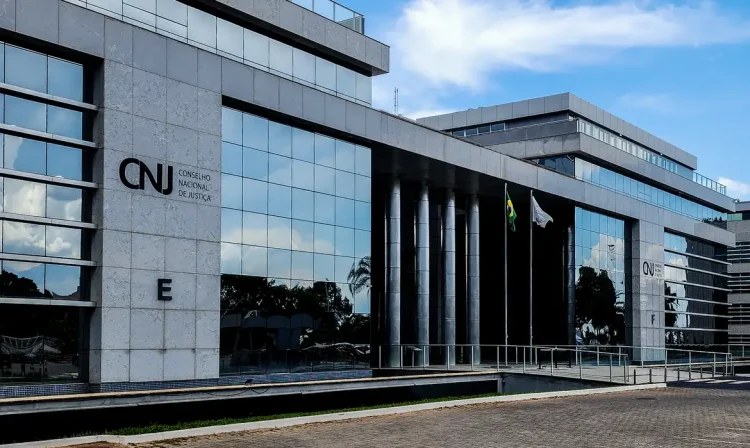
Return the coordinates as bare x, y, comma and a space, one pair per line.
336, 12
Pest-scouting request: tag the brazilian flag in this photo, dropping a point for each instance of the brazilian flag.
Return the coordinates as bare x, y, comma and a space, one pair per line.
511, 212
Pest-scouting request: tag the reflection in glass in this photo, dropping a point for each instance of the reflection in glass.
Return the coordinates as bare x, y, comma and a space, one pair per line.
65, 122
24, 197
303, 236
39, 343
21, 279
325, 74
256, 48
345, 242
201, 27
231, 258
279, 234
254, 229
64, 161
65, 79
304, 66
346, 82
325, 180
325, 237
23, 238
345, 184
345, 212
231, 126
361, 215
63, 282
303, 204
279, 263
254, 261
325, 208
229, 38
325, 151
231, 225
63, 242
255, 164
280, 139
231, 158
279, 200
324, 267
303, 175
303, 145
64, 203
25, 113
279, 169
254, 196
24, 68
281, 59
269, 327
24, 154
231, 191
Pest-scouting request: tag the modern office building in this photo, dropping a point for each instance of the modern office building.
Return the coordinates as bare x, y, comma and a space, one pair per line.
739, 282
196, 191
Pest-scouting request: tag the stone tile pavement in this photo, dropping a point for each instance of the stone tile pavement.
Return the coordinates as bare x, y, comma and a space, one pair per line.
673, 417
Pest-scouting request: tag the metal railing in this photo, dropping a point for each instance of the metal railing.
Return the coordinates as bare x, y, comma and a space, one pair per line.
336, 12
552, 361
612, 364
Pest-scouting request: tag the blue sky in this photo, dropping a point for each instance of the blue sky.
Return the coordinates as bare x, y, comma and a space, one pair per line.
677, 68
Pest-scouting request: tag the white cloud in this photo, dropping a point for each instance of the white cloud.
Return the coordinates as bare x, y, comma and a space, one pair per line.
736, 189
439, 44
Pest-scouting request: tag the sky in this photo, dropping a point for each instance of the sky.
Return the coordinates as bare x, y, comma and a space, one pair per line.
679, 69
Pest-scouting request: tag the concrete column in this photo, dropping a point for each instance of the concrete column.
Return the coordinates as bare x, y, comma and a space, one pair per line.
393, 273
472, 274
570, 282
449, 273
423, 273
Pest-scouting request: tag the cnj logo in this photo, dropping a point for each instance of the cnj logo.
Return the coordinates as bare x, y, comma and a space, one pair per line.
652, 269
144, 172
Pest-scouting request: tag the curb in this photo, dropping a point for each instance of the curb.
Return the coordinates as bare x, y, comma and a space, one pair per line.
297, 421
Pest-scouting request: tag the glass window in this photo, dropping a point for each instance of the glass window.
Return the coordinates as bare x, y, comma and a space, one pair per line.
254, 261
344, 212
254, 164
279, 233
362, 215
302, 266
254, 196
303, 204
279, 263
303, 236
255, 132
63, 282
231, 258
201, 27
23, 238
281, 58
229, 38
362, 188
303, 145
361, 243
65, 79
344, 265
256, 48
303, 175
23, 279
325, 74
231, 126
325, 239
325, 180
325, 151
63, 242
231, 191
279, 200
23, 154
254, 229
324, 8
24, 197
364, 88
362, 162
64, 203
65, 122
231, 159
64, 161
24, 68
344, 184
25, 113
280, 169
325, 207
346, 82
345, 156
304, 66
231, 225
324, 268
345, 241
280, 139
168, 9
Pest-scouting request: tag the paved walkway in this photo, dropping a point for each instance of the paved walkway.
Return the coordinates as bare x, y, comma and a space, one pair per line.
674, 417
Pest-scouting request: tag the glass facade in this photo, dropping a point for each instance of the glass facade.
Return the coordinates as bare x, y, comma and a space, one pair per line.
295, 252
695, 292
600, 295
44, 219
184, 23
592, 173
336, 12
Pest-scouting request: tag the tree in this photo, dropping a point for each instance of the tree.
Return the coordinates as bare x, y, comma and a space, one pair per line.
360, 276
599, 318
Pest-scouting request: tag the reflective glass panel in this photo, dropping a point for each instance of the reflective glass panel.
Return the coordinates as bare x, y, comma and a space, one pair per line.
325, 180
325, 208
346, 82
344, 212
279, 233
24, 154
24, 68
280, 139
254, 261
64, 203
254, 196
201, 27
23, 279
24, 197
254, 229
345, 242
231, 258
325, 74
64, 161
23, 238
25, 113
303, 236
63, 282
303, 145
65, 79
303, 175
344, 184
231, 225
325, 239
229, 38
231, 191
255, 132
302, 265
281, 58
303, 204
63, 242
256, 48
231, 159
325, 151
304, 66
254, 164
65, 122
231, 126
279, 263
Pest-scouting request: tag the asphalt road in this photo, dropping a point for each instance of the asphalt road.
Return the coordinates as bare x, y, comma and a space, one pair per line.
699, 416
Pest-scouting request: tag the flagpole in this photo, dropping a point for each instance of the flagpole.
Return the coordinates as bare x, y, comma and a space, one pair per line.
531, 267
505, 267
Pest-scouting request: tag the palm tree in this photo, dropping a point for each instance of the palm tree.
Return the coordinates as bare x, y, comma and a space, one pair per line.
360, 275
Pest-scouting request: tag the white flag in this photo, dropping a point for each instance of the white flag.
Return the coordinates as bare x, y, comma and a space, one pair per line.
541, 217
